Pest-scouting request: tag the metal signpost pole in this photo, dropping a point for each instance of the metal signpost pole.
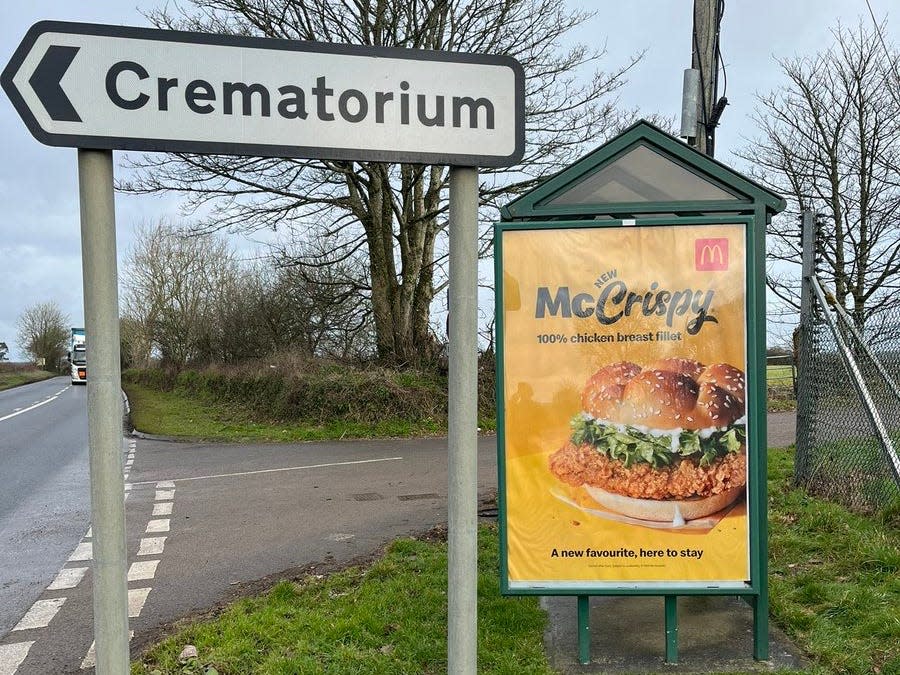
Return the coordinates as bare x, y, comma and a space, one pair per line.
462, 564
101, 314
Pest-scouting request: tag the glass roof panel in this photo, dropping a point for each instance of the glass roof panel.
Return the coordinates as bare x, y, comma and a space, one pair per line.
640, 175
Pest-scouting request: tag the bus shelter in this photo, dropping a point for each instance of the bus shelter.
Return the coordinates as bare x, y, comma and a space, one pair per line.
631, 388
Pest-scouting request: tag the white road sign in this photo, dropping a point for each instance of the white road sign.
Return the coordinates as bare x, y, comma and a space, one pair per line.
111, 87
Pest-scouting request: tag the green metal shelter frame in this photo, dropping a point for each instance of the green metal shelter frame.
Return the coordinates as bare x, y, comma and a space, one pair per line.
645, 177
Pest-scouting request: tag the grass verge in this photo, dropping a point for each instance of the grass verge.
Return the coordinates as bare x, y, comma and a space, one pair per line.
294, 398
834, 584
834, 577
389, 618
179, 414
16, 377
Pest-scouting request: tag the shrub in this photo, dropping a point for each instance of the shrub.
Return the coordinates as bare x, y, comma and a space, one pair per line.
291, 388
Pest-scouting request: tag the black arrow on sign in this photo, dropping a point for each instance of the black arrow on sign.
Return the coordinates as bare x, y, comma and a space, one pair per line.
46, 83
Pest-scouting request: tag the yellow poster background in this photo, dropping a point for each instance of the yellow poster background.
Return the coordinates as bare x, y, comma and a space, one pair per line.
546, 363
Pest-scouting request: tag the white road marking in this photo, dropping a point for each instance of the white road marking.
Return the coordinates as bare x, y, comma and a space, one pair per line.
142, 570
162, 509
136, 599
11, 656
158, 525
165, 495
152, 546
90, 659
68, 577
286, 468
31, 407
165, 484
84, 551
40, 614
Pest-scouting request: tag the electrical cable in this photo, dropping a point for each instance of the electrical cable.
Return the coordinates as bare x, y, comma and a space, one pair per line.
721, 61
887, 53
702, 79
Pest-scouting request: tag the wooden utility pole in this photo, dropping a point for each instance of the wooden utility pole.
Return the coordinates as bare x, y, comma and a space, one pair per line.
705, 59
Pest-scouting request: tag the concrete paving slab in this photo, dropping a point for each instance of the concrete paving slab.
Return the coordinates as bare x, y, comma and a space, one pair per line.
715, 635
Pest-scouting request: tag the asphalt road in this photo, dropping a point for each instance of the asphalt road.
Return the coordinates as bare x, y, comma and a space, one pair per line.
44, 496
781, 430
243, 513
206, 522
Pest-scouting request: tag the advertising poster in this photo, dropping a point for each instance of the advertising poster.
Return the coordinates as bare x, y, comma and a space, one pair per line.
624, 418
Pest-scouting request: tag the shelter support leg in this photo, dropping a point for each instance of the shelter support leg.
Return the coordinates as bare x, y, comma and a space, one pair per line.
760, 605
671, 610
584, 629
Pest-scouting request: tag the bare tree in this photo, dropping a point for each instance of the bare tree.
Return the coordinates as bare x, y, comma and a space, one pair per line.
830, 142
4, 350
330, 308
188, 300
394, 213
171, 287
43, 333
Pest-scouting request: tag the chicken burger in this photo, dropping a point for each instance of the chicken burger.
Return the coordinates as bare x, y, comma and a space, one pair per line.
664, 442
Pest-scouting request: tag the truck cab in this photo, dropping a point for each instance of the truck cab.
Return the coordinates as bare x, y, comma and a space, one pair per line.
78, 357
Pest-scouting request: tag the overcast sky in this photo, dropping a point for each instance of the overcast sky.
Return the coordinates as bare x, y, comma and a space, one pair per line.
40, 255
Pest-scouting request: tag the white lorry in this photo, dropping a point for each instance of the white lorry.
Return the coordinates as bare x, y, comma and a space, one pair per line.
78, 356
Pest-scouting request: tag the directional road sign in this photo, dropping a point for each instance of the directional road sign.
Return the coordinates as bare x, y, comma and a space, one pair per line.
112, 87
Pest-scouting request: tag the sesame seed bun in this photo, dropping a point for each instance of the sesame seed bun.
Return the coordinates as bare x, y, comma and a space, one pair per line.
669, 394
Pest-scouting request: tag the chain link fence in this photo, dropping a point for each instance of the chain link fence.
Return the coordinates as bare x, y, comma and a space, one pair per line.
840, 450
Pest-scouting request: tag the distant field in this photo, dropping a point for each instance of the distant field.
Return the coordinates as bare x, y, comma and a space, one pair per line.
780, 385
778, 374
16, 374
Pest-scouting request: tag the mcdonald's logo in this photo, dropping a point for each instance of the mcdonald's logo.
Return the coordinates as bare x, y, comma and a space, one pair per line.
711, 255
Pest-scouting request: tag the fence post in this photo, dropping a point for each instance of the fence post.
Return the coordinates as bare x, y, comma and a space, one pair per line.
807, 319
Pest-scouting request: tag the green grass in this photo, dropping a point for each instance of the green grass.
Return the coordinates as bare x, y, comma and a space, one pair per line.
834, 577
853, 471
390, 618
834, 588
181, 415
10, 378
